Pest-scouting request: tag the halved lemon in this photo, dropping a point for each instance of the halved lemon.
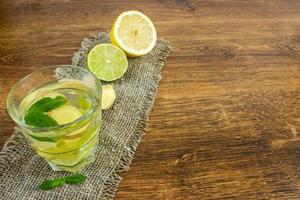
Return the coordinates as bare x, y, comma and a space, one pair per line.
133, 32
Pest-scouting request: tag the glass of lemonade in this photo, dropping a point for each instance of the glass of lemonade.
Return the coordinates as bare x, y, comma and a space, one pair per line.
58, 110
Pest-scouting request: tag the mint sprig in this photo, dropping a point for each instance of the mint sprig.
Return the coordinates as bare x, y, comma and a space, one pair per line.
51, 184
54, 183
46, 104
39, 119
36, 116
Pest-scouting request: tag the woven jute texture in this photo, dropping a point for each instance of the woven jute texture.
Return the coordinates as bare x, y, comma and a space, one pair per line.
21, 169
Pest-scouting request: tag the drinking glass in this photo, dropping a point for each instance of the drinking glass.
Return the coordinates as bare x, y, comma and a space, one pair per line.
67, 146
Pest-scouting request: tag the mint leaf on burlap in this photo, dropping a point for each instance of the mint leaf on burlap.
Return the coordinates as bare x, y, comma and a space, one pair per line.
75, 178
51, 184
72, 180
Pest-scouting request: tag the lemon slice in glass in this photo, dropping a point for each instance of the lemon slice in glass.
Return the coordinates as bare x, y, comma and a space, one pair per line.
108, 62
133, 32
65, 114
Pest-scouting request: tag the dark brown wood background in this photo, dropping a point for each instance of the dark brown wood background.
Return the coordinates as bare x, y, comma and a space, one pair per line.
226, 121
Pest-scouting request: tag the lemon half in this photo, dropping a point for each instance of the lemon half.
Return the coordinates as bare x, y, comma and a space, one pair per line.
133, 32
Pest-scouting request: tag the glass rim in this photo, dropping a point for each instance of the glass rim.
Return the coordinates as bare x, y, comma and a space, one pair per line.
21, 123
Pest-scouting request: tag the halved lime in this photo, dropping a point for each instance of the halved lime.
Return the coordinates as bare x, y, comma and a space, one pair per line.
108, 62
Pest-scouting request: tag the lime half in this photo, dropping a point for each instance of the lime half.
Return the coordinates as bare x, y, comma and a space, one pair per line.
108, 62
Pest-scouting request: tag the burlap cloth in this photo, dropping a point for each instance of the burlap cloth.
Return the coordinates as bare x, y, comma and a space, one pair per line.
21, 169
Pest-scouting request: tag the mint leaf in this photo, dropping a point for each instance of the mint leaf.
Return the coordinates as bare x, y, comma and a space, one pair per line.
75, 178
43, 139
35, 115
50, 184
46, 104
39, 119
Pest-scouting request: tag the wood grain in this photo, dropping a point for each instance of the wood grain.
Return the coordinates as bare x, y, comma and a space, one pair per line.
226, 120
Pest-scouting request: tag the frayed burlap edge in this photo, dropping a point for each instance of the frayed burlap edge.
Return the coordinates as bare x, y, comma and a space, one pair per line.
10, 151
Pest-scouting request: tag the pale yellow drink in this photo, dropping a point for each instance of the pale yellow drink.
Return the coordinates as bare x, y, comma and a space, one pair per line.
71, 145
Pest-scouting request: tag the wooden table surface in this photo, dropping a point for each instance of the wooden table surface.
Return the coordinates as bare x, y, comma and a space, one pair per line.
226, 121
